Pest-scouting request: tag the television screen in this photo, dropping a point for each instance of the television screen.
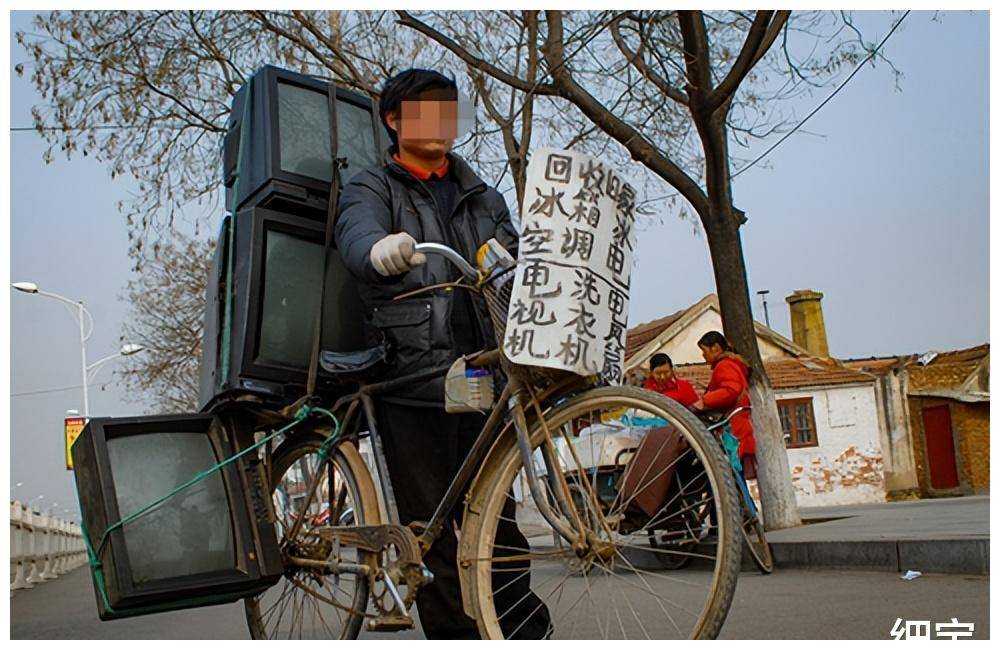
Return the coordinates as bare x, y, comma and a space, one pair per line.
213, 542
304, 133
280, 125
292, 272
190, 533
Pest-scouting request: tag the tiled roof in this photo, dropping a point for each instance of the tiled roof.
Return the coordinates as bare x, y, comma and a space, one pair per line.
947, 370
876, 365
941, 370
960, 356
785, 374
642, 334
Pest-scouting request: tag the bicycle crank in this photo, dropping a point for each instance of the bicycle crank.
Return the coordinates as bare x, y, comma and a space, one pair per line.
405, 568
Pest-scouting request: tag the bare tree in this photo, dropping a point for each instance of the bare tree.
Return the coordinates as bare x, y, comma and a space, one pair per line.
149, 92
674, 90
166, 312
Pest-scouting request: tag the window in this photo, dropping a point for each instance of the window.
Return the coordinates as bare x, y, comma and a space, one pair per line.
797, 422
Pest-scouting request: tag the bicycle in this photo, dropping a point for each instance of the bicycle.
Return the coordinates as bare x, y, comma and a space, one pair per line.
753, 524
586, 563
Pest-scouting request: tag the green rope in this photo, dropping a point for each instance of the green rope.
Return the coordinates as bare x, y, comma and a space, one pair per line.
93, 556
327, 446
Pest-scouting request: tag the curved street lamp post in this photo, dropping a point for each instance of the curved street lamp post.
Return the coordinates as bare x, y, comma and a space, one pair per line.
87, 371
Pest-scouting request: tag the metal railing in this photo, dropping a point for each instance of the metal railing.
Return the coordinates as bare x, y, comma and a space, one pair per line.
41, 547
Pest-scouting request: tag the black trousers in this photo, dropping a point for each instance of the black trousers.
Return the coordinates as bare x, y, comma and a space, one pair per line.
424, 448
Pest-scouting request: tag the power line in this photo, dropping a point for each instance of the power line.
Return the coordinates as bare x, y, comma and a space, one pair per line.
55, 390
88, 128
870, 56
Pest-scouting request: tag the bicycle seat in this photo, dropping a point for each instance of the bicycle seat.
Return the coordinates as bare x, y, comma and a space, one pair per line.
353, 365
711, 417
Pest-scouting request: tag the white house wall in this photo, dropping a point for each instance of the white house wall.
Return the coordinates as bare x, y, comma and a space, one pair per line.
847, 465
683, 347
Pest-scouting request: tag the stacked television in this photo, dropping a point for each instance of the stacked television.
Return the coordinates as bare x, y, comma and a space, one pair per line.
214, 541
278, 165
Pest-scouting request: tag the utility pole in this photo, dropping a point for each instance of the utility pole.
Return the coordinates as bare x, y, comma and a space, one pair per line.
763, 296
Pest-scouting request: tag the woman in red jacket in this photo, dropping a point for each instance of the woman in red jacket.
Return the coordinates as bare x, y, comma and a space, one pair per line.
728, 389
663, 380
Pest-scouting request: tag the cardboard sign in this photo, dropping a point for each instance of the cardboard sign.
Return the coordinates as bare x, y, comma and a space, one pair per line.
569, 304
72, 429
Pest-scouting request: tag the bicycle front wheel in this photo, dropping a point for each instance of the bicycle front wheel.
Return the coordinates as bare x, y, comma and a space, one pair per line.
609, 582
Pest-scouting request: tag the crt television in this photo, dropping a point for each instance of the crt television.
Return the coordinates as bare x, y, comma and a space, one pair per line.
278, 136
214, 542
277, 270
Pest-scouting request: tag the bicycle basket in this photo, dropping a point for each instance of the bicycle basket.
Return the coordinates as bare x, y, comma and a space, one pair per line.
496, 292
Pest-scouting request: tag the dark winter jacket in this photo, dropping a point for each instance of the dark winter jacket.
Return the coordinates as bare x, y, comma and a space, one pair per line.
379, 202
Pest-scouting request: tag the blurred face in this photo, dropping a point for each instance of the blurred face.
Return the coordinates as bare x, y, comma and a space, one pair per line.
663, 374
711, 352
425, 128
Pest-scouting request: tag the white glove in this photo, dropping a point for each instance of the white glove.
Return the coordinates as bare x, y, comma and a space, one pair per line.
393, 254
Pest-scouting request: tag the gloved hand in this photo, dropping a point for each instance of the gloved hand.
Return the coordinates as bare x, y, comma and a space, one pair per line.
393, 254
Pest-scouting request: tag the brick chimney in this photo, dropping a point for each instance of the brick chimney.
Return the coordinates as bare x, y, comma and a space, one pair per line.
808, 328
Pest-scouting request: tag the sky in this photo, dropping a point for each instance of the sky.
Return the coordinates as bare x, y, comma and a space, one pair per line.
882, 206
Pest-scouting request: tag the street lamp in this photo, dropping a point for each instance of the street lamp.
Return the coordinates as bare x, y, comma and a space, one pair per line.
86, 371
126, 350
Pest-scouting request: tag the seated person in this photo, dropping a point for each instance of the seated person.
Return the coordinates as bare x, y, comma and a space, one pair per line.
728, 389
663, 380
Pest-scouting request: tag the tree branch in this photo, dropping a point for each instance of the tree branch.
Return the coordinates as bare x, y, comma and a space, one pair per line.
696, 56
631, 139
637, 60
745, 61
408, 20
763, 31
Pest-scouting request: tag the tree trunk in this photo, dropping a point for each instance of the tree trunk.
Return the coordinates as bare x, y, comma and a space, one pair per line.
773, 477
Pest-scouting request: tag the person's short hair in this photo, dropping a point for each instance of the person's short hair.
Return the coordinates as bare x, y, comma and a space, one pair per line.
659, 359
413, 84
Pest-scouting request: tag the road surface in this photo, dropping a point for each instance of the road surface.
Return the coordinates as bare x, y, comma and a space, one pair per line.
790, 604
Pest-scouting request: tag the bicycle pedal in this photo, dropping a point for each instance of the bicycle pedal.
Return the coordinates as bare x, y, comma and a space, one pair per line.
390, 623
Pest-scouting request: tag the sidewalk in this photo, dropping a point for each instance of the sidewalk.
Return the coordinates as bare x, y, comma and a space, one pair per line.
928, 535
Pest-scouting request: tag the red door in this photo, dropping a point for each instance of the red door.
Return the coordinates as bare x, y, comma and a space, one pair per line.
940, 447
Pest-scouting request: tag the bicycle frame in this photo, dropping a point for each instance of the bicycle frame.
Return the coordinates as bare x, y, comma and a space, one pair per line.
741, 482
511, 401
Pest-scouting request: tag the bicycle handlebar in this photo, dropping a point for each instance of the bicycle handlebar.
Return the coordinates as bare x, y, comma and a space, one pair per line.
724, 421
451, 255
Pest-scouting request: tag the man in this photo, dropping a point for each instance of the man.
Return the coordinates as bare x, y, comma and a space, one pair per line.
427, 194
663, 380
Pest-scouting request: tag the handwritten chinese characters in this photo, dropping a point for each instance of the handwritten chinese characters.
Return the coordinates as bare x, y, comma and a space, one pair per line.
570, 300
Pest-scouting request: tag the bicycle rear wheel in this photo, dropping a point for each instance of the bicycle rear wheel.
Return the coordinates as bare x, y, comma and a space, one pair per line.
612, 585
311, 602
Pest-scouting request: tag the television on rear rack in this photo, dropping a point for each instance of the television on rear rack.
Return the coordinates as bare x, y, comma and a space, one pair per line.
286, 158
277, 270
213, 542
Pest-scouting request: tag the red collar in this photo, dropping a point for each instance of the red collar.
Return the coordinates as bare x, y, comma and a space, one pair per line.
423, 174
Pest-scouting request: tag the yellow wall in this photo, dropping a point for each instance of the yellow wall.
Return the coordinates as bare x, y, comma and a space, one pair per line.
970, 426
971, 423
